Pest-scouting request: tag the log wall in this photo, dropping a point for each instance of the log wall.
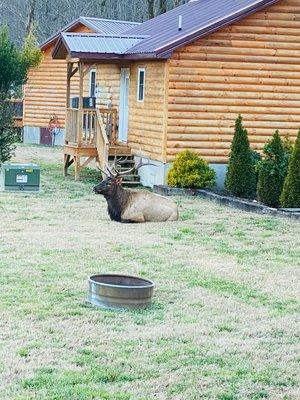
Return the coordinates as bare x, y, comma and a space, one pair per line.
45, 90
147, 119
252, 68
108, 83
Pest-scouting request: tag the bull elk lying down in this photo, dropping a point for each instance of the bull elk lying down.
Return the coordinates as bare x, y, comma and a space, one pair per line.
133, 205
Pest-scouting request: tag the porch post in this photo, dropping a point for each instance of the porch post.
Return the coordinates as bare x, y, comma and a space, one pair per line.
69, 75
80, 105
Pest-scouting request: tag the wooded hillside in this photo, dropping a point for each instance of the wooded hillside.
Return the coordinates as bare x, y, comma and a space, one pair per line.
50, 15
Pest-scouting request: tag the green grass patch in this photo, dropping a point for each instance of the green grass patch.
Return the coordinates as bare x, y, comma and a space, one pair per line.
224, 315
244, 293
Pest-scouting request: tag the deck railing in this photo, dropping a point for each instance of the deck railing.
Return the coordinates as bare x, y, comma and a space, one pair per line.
109, 117
88, 127
71, 125
83, 130
102, 142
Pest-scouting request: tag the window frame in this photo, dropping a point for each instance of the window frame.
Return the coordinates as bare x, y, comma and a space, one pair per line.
90, 83
140, 70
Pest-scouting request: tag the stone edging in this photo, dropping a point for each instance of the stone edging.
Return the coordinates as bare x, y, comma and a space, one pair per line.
235, 202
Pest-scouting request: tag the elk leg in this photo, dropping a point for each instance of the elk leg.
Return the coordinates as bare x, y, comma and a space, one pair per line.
174, 216
67, 163
138, 218
131, 217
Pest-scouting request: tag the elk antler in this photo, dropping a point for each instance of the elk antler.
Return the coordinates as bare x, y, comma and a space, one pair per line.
115, 163
121, 160
108, 174
135, 167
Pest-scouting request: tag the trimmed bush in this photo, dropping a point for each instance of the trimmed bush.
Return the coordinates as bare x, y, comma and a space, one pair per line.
240, 177
191, 171
272, 171
290, 196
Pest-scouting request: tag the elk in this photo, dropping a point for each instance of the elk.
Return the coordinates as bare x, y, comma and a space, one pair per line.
133, 206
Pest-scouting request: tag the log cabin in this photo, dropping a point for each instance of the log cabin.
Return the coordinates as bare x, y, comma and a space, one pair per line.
45, 91
178, 81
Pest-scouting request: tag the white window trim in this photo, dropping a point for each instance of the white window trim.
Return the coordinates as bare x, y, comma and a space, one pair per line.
138, 84
90, 84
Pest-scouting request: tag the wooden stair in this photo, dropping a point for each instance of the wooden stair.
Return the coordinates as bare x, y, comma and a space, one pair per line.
120, 149
131, 180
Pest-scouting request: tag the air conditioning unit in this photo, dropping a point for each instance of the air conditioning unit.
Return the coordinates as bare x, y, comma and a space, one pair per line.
88, 102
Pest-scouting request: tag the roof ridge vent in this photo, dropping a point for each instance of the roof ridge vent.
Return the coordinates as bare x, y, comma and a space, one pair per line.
180, 23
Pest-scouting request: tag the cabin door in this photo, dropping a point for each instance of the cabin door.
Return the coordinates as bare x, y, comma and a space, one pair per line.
124, 100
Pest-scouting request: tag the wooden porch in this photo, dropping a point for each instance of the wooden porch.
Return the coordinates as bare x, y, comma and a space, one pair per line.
91, 133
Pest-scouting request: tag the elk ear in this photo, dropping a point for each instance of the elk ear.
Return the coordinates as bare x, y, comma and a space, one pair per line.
119, 181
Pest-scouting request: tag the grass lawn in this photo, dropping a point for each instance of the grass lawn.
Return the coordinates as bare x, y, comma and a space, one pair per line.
225, 316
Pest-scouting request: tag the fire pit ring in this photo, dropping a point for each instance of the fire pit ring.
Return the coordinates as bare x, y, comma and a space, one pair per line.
120, 291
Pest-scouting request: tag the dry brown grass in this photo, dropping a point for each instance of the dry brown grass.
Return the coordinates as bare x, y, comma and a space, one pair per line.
224, 319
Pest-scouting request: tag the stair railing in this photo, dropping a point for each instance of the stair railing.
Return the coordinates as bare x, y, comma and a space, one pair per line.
102, 142
109, 117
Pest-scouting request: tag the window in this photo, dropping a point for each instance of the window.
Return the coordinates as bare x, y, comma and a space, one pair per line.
93, 83
141, 85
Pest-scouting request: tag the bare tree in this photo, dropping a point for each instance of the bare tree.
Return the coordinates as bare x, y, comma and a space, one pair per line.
151, 8
30, 16
48, 16
162, 7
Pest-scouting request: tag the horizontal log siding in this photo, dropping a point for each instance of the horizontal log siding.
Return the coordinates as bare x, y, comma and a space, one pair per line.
147, 128
45, 90
107, 78
252, 68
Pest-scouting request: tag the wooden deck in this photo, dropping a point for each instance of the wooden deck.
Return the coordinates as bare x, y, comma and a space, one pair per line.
92, 135
74, 153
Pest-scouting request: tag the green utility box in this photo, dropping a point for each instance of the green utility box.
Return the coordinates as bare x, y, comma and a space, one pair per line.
20, 177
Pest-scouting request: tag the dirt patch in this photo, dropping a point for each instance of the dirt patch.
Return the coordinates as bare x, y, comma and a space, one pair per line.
48, 155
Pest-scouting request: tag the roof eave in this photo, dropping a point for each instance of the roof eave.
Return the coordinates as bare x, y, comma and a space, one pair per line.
61, 41
78, 21
48, 42
114, 56
94, 56
144, 56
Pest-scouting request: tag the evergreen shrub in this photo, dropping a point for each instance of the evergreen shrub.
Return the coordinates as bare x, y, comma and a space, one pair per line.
290, 196
241, 177
272, 171
191, 171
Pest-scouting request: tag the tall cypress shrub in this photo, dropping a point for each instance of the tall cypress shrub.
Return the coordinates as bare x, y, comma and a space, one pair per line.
272, 171
240, 178
290, 196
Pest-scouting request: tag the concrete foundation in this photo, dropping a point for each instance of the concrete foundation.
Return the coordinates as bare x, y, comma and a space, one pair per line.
32, 135
221, 170
157, 174
153, 174
60, 137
